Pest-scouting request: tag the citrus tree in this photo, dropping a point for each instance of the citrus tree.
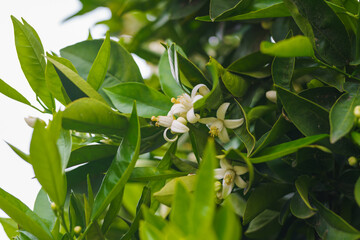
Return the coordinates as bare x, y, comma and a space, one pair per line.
248, 127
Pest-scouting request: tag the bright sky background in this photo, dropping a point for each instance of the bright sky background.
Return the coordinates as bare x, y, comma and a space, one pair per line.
46, 17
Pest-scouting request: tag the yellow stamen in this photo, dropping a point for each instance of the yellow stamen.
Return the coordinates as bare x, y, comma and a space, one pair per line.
228, 179
154, 119
214, 131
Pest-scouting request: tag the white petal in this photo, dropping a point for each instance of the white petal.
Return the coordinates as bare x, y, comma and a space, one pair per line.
227, 189
240, 170
177, 109
204, 90
208, 120
220, 113
240, 182
168, 139
191, 116
165, 121
196, 98
178, 127
233, 123
196, 89
223, 136
219, 173
225, 164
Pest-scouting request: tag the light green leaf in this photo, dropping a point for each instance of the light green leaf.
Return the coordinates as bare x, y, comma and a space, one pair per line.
76, 79
10, 227
168, 85
298, 46
43, 209
10, 92
24, 156
23, 216
144, 174
149, 101
46, 161
180, 215
284, 149
149, 232
90, 115
100, 66
30, 53
226, 223
121, 167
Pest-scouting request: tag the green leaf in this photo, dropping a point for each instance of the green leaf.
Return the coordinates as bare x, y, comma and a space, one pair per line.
180, 215
21, 154
264, 226
226, 223
263, 197
149, 101
303, 184
298, 46
10, 92
235, 84
284, 149
101, 63
254, 65
218, 7
342, 116
324, 29
308, 117
149, 232
43, 209
202, 208
90, 115
299, 209
31, 56
121, 167
144, 174
214, 98
23, 216
282, 70
168, 85
331, 226
46, 161
10, 227
357, 191
166, 194
76, 79
244, 133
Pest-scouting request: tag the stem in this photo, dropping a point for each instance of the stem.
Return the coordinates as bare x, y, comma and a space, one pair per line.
63, 223
335, 69
81, 237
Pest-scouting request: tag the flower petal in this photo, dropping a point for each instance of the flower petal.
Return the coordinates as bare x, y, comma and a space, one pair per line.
165, 121
191, 116
227, 188
208, 120
196, 89
240, 170
219, 173
168, 139
225, 164
178, 127
220, 113
233, 123
196, 98
177, 109
224, 136
240, 182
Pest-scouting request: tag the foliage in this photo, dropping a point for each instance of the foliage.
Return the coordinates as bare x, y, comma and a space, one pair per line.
268, 90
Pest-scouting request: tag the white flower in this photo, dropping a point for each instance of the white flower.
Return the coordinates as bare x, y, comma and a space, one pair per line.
175, 125
183, 105
230, 175
219, 124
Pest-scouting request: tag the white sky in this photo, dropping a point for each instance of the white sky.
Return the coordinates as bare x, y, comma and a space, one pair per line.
46, 17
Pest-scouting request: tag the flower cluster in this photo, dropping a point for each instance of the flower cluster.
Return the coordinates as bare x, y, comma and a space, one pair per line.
183, 112
231, 176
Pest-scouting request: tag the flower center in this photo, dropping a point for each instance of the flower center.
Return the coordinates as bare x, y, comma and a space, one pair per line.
229, 177
214, 131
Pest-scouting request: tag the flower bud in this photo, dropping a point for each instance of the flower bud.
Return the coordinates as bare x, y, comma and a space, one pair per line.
77, 230
352, 161
218, 186
53, 206
271, 96
357, 111
30, 121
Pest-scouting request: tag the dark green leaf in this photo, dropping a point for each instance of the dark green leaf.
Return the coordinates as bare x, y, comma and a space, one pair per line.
264, 226
303, 184
100, 66
121, 167
299, 209
308, 117
90, 115
263, 197
144, 174
149, 101
357, 191
282, 71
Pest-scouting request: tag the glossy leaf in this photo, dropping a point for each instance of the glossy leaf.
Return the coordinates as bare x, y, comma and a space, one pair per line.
308, 117
324, 29
30, 53
90, 115
121, 167
180, 215
149, 101
357, 191
299, 209
282, 71
76, 79
303, 184
10, 227
46, 161
284, 149
100, 66
190, 71
264, 226
10, 92
218, 7
262, 198
226, 224
23, 216
144, 174
342, 116
298, 46
43, 209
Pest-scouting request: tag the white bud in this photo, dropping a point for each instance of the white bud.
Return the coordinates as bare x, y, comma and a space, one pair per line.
30, 121
271, 96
